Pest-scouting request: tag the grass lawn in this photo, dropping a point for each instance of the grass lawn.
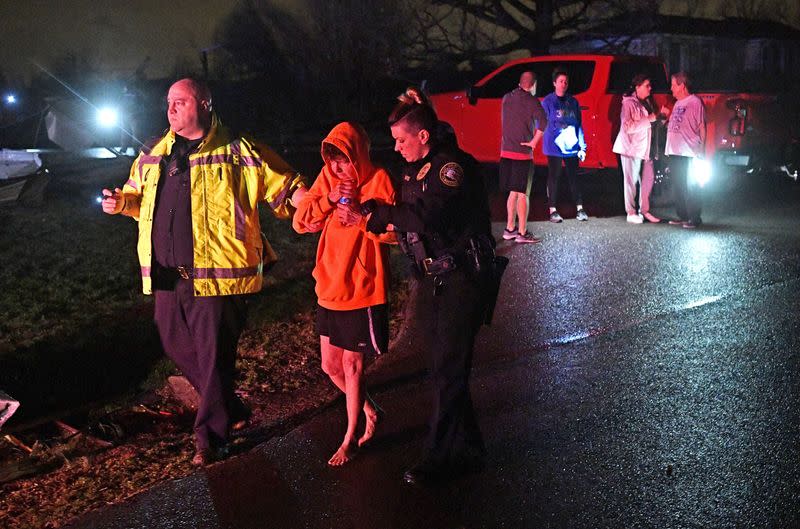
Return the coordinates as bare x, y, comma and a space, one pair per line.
77, 342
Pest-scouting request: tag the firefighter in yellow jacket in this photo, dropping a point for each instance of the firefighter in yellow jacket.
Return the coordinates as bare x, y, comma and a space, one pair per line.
195, 193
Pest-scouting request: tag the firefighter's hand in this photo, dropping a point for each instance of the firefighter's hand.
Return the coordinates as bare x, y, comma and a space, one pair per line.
113, 201
298, 195
581, 155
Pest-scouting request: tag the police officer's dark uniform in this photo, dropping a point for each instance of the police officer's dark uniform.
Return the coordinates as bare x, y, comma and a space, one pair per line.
443, 223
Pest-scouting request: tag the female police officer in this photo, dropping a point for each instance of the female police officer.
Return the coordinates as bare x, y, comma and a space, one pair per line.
442, 222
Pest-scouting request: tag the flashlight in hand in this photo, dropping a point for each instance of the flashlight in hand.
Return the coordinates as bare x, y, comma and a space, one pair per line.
102, 197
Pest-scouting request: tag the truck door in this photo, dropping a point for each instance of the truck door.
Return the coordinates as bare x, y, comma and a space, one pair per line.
482, 122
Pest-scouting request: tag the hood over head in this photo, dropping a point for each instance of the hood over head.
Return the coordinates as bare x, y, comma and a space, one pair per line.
352, 140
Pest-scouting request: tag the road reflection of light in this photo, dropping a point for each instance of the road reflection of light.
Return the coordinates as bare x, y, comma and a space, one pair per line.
700, 302
562, 340
699, 252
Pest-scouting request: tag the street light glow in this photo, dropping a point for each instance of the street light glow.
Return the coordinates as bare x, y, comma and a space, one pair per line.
11, 99
107, 117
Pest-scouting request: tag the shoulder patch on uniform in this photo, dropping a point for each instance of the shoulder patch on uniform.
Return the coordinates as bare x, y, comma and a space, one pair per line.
423, 171
451, 174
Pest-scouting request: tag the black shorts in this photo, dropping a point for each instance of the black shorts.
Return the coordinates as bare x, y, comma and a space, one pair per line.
363, 331
516, 175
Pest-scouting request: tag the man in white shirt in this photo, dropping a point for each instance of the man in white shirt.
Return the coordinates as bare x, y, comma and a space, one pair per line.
686, 138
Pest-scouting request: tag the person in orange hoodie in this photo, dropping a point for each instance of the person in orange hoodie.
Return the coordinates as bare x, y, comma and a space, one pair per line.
352, 272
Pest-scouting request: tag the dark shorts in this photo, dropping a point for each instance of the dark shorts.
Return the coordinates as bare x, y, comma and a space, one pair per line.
364, 330
516, 175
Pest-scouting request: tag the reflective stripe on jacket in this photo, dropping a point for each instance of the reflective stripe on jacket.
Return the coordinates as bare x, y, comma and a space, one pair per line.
228, 178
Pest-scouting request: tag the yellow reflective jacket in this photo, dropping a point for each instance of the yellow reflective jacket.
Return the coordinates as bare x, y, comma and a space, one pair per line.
228, 177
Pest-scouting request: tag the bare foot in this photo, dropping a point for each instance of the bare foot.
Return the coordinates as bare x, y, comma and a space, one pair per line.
345, 453
373, 420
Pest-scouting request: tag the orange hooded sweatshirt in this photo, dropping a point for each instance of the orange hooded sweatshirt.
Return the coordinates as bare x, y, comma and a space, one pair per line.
352, 269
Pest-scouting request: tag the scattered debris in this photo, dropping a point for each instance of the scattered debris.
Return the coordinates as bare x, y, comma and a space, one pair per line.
17, 443
8, 406
183, 391
72, 432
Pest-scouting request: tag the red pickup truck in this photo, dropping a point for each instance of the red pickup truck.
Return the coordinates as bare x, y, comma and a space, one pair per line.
744, 130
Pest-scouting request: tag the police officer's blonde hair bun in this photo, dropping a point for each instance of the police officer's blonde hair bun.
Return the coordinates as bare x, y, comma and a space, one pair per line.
414, 109
412, 95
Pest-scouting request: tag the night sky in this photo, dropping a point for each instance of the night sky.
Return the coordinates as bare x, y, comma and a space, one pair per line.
116, 36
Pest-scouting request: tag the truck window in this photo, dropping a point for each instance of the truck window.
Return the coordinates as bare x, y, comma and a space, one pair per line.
623, 71
580, 77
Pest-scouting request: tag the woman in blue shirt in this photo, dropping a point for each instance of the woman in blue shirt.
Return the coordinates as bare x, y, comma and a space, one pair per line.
563, 143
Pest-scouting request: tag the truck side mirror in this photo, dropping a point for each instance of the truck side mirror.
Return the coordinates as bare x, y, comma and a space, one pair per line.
473, 93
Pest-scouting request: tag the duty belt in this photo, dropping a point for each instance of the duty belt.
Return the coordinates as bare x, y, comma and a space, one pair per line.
440, 265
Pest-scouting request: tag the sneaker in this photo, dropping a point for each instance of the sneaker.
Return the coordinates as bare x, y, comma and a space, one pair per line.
524, 238
676, 222
509, 234
582, 215
691, 224
635, 219
555, 217
651, 218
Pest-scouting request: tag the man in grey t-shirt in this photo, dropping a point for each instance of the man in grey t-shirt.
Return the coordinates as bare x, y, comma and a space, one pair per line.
686, 138
523, 122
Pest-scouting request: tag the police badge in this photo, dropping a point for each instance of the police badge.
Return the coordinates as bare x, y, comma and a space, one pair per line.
451, 174
423, 171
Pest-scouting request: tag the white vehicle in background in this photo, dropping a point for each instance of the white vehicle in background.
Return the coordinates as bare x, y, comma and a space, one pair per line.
21, 173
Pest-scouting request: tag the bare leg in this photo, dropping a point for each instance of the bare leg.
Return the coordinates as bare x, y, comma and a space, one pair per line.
374, 416
511, 209
522, 212
352, 367
332, 358
332, 362
332, 366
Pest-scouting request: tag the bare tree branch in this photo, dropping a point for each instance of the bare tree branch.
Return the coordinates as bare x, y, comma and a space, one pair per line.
483, 28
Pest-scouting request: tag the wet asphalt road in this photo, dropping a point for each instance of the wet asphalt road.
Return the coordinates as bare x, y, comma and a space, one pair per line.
635, 376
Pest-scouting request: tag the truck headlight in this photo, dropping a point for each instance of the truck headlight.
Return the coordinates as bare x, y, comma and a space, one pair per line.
107, 117
699, 171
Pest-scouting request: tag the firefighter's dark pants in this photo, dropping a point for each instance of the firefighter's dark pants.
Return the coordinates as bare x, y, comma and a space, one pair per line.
200, 335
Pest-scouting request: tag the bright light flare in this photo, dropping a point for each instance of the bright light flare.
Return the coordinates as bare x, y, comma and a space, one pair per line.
10, 99
700, 171
107, 117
